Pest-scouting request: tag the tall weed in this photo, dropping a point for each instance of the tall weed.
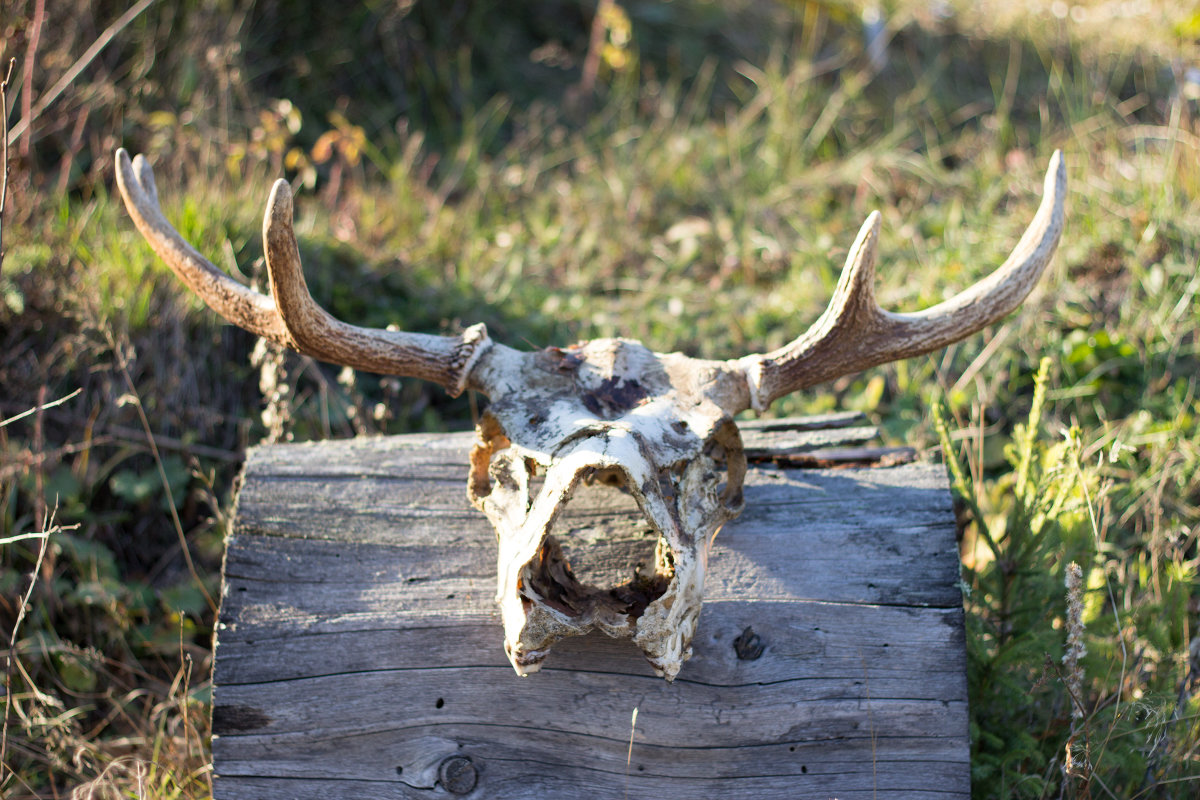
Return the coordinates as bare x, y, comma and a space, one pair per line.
1048, 720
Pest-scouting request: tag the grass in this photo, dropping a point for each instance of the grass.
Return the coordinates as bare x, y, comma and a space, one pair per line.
702, 200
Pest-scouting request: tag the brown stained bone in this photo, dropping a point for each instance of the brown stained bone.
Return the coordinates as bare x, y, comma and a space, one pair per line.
656, 425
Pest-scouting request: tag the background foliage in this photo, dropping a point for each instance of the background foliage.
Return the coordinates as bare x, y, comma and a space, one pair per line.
692, 176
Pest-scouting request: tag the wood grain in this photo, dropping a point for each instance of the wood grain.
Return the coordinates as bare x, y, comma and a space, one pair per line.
359, 646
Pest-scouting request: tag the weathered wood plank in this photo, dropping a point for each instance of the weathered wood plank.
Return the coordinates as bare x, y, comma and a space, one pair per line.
800, 537
839, 641
724, 717
359, 646
408, 758
439, 456
800, 787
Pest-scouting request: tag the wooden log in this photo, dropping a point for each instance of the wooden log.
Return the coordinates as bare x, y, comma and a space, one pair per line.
359, 647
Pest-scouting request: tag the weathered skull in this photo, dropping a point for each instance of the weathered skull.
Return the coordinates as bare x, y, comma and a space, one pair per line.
659, 426
608, 410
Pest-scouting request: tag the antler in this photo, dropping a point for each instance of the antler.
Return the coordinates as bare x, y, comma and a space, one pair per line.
290, 316
854, 333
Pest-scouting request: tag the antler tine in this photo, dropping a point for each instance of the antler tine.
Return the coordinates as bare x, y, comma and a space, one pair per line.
854, 333
240, 305
446, 360
290, 316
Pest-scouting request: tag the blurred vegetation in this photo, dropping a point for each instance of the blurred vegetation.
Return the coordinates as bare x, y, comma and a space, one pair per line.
691, 178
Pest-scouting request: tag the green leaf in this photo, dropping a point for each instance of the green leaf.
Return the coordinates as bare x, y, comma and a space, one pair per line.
138, 487
184, 598
135, 487
75, 674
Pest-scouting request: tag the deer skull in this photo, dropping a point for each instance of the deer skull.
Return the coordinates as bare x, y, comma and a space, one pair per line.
658, 426
614, 411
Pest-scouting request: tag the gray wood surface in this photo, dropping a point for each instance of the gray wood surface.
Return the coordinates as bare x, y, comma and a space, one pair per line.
359, 647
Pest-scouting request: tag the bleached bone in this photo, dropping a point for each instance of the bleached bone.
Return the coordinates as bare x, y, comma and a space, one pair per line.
657, 425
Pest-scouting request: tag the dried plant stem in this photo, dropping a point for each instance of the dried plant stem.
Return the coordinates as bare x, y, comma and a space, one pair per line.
629, 755
44, 535
4, 140
41, 406
277, 390
1113, 604
39, 19
1076, 649
1075, 759
123, 367
871, 723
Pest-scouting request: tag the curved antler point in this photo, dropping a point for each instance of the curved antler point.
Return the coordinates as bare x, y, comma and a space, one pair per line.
279, 204
858, 274
125, 169
1056, 173
144, 174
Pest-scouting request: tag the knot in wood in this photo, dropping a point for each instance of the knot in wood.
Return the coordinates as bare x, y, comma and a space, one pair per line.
458, 775
749, 646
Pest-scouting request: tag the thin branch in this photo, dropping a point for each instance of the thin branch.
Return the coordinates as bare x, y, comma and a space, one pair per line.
22, 537
48, 528
39, 408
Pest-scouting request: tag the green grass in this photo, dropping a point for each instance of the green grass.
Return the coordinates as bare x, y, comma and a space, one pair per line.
703, 201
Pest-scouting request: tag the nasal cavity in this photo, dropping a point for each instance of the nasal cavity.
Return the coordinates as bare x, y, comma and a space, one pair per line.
602, 561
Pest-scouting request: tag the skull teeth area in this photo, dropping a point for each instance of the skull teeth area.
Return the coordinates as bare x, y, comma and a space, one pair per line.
596, 592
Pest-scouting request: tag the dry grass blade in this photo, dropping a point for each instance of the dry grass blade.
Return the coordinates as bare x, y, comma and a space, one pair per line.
135, 398
48, 529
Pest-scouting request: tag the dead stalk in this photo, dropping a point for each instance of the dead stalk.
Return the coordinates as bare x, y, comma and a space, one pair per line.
136, 400
629, 755
38, 409
1075, 759
4, 139
39, 19
48, 528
